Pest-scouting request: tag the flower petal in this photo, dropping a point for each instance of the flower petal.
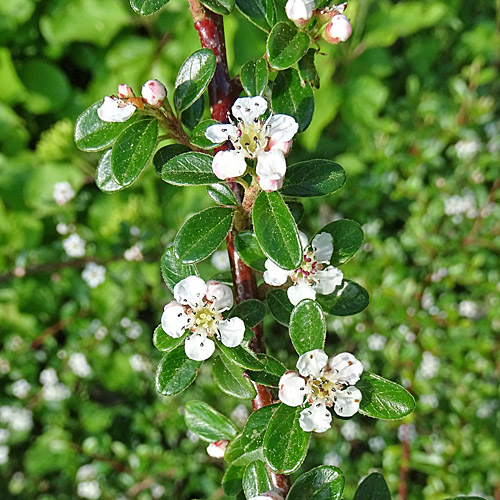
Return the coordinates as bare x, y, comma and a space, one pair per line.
271, 164
190, 291
328, 279
198, 347
221, 295
231, 331
174, 320
312, 362
267, 184
229, 164
292, 388
346, 368
299, 292
115, 110
316, 418
347, 401
274, 275
322, 246
248, 109
304, 240
282, 128
220, 132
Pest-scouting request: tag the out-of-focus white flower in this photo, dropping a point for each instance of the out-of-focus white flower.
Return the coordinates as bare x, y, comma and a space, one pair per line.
441, 273
89, 489
350, 431
63, 192
220, 260
154, 93
115, 110
94, 274
18, 419
458, 205
429, 367
86, 472
218, 448
4, 436
135, 231
376, 444
134, 331
240, 414
429, 400
56, 392
138, 363
192, 436
21, 388
79, 365
376, 342
4, 454
467, 148
74, 246
332, 458
468, 309
337, 30
407, 432
427, 300
48, 377
4, 366
125, 322
101, 332
133, 253
299, 11
157, 490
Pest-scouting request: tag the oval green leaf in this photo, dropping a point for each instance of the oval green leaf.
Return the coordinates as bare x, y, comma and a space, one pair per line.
262, 13
280, 306
350, 299
191, 116
373, 487
307, 68
256, 479
172, 270
231, 482
286, 45
347, 237
208, 423
249, 250
230, 379
251, 311
222, 7
241, 356
239, 454
254, 76
321, 483
147, 7
104, 177
221, 194
189, 169
164, 342
307, 326
270, 374
166, 153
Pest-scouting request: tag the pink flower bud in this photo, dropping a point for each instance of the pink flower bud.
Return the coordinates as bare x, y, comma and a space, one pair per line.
154, 92
217, 449
299, 11
124, 91
337, 30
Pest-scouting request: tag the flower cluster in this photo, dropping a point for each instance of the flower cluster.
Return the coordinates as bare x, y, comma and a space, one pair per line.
314, 275
198, 306
322, 383
267, 141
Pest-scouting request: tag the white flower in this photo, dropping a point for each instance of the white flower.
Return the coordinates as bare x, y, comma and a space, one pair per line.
376, 444
79, 365
218, 448
332, 458
220, 260
74, 246
314, 275
138, 363
299, 11
4, 454
338, 29
468, 309
376, 342
86, 472
89, 489
266, 141
467, 148
154, 92
56, 392
320, 384
63, 192
115, 110
429, 367
21, 388
48, 377
133, 253
199, 307
94, 274
407, 432
267, 495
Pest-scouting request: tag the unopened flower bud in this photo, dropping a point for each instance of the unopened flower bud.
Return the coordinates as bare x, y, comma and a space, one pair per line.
217, 449
154, 92
124, 91
337, 30
299, 11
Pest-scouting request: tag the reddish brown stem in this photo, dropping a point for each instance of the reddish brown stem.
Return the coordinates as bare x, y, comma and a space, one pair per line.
403, 470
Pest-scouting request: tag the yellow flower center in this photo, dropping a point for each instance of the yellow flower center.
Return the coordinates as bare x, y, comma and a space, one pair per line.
253, 138
207, 319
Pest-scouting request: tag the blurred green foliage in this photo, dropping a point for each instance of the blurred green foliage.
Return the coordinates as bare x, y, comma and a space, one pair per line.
406, 107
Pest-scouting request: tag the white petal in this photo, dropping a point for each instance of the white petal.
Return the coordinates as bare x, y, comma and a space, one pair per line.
274, 275
174, 320
268, 495
232, 331
198, 347
328, 279
316, 418
267, 184
220, 133
115, 110
229, 164
292, 389
282, 128
346, 368
271, 165
249, 108
312, 362
285, 147
221, 295
348, 400
322, 246
304, 240
299, 292
190, 290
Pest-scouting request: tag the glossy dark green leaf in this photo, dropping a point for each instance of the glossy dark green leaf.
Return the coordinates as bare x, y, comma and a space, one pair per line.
285, 443
251, 311
198, 137
254, 76
193, 78
231, 482
383, 399
321, 483
307, 69
166, 153
373, 487
208, 423
276, 230
164, 342
349, 299
173, 270
240, 454
191, 116
222, 7
230, 379
201, 235
92, 134
286, 45
280, 306
297, 210
104, 177
189, 169
347, 237
133, 149
147, 7
307, 326
249, 250
175, 372
241, 356
221, 194
256, 479
262, 13
270, 374
291, 98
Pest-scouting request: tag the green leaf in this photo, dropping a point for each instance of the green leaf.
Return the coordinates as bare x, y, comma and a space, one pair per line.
383, 399
373, 487
262, 13
230, 379
92, 134
198, 137
347, 237
285, 443
291, 98
321, 483
133, 149
221, 194
256, 479
193, 78
271, 373
254, 76
222, 7
104, 177
239, 455
352, 300
297, 210
276, 230
147, 7
164, 342
307, 68
241, 356
313, 178
200, 235
191, 116
249, 250
189, 169
175, 372
280, 306
208, 423
286, 45
173, 270
166, 153
231, 482
307, 326
251, 311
